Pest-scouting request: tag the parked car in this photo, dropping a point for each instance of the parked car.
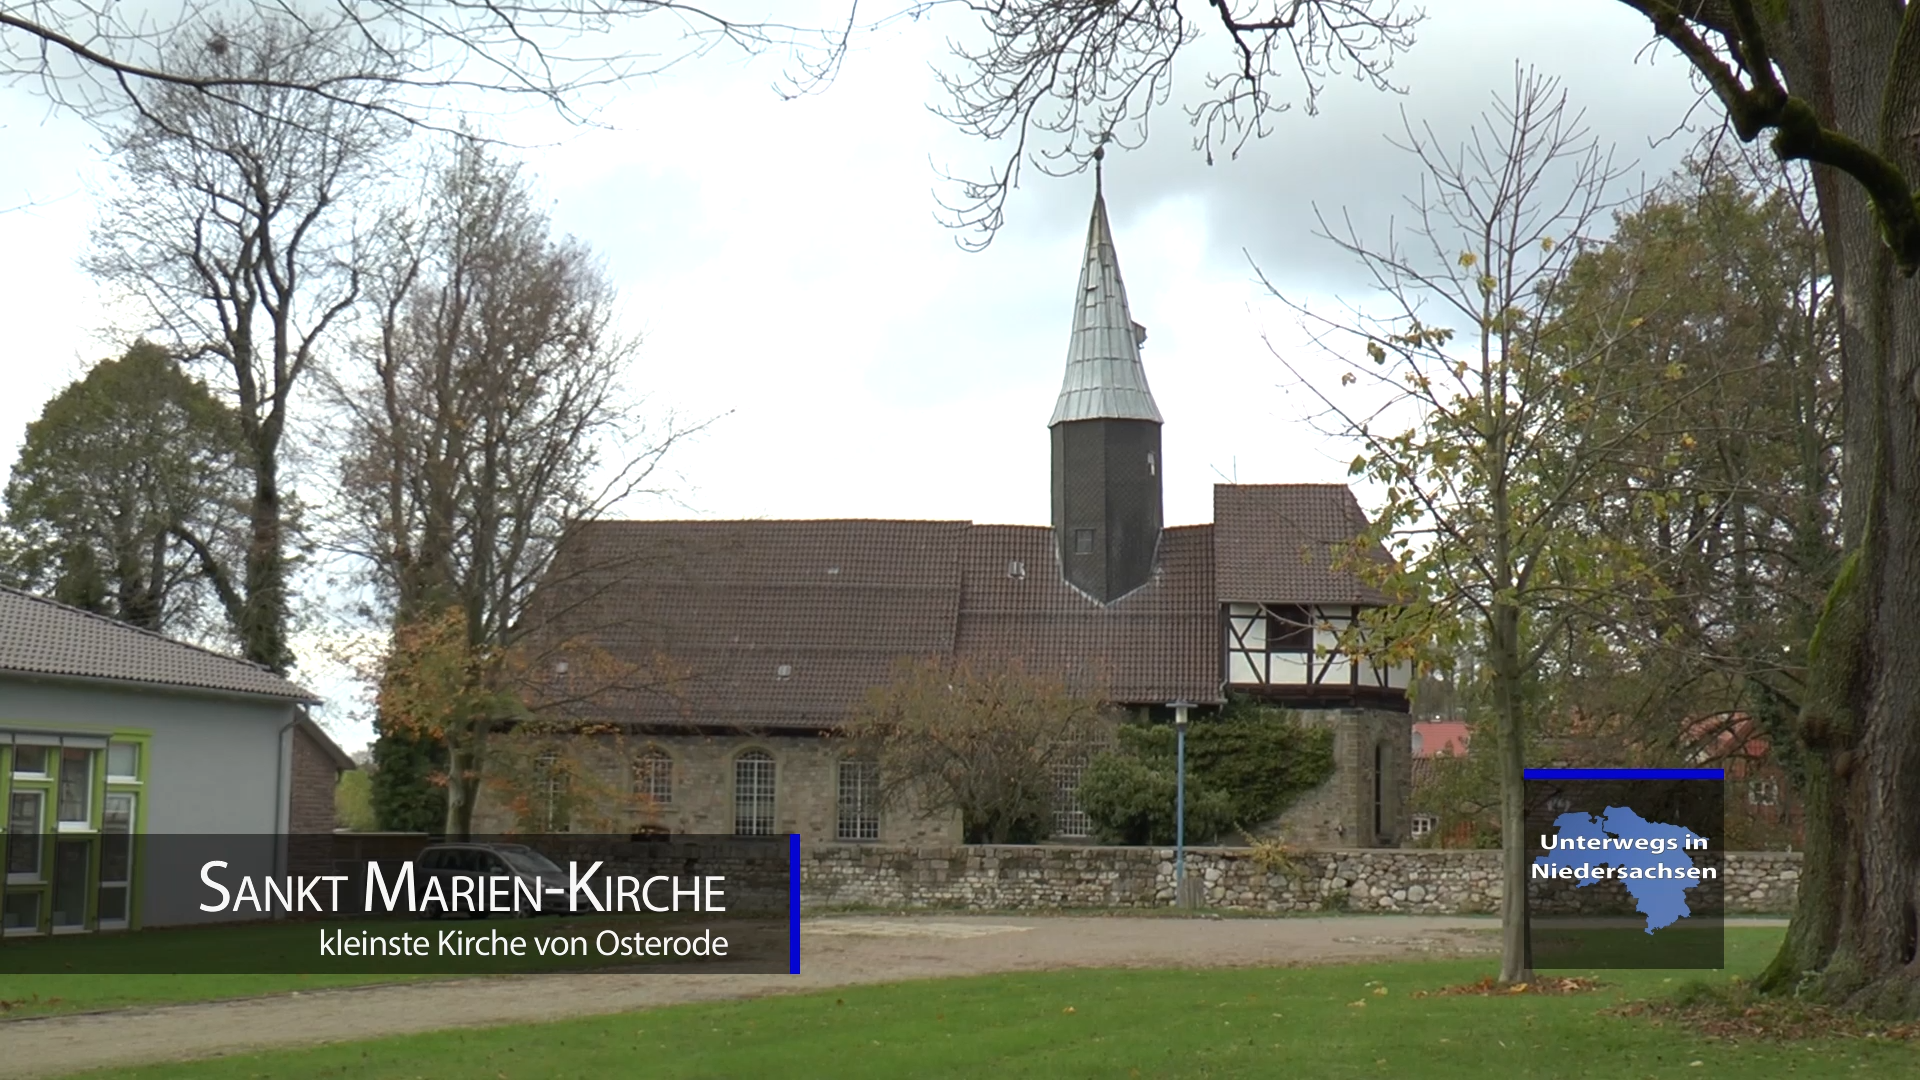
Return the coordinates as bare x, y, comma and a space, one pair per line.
514, 861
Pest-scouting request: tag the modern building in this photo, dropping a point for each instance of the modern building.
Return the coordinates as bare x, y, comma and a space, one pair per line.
766, 633
110, 734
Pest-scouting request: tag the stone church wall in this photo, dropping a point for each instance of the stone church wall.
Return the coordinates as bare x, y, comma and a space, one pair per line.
1340, 812
806, 790
1428, 882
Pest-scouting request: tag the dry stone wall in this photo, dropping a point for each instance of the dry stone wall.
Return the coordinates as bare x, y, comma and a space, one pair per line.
1410, 881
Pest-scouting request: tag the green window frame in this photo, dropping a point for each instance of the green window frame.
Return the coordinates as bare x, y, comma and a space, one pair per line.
87, 820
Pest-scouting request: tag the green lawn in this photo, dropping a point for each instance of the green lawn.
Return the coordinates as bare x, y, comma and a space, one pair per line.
1308, 1022
88, 972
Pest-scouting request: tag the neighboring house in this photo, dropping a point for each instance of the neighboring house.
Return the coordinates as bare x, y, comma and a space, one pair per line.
109, 733
1761, 811
1433, 739
770, 632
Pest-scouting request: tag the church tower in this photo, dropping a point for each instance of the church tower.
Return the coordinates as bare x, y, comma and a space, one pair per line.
1106, 435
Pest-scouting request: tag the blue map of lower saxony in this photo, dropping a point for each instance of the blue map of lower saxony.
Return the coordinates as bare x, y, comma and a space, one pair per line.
1649, 857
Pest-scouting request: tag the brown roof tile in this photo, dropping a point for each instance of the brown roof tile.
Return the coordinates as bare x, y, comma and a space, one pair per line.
1277, 543
788, 623
1155, 645
42, 637
705, 615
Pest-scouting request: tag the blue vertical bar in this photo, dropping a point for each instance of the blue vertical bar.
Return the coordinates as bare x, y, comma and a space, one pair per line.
793, 903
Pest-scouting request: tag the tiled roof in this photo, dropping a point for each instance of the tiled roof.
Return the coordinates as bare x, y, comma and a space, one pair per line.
1155, 645
1104, 377
41, 637
771, 624
750, 623
1278, 542
1431, 737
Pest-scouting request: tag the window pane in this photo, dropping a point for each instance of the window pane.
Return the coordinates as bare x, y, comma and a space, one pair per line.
76, 783
22, 911
753, 794
1069, 820
123, 759
70, 858
23, 833
859, 817
113, 904
1289, 629
653, 777
30, 760
551, 791
116, 842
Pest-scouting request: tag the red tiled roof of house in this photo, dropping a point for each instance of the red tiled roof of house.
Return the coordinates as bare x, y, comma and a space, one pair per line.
1432, 737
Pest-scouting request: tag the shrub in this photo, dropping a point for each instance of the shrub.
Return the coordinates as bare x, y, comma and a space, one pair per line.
1245, 765
1131, 801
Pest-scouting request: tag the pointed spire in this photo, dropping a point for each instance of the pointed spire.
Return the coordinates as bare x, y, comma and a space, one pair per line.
1105, 379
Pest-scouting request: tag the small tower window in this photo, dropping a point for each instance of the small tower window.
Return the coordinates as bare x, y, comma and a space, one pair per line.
1289, 628
1083, 541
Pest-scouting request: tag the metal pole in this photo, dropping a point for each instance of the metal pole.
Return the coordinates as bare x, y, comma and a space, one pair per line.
1180, 805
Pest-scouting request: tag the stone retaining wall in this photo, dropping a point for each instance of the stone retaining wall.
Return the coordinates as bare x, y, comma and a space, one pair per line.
980, 877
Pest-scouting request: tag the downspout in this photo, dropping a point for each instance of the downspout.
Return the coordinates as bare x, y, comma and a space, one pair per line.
283, 766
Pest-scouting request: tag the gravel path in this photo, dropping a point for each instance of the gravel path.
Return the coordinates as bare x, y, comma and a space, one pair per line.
835, 952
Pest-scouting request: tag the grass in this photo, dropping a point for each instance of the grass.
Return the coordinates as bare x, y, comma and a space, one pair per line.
1359, 1020
27, 993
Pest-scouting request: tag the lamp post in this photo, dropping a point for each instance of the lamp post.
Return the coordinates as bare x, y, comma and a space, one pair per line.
1180, 802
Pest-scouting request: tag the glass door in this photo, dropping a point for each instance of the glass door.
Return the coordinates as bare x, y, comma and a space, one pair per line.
72, 863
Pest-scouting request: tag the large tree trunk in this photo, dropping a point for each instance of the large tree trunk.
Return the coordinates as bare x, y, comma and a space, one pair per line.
1516, 963
1853, 936
263, 622
463, 789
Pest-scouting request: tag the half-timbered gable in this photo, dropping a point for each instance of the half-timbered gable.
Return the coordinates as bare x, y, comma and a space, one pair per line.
1290, 598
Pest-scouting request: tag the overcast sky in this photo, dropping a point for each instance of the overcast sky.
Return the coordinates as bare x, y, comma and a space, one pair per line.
784, 265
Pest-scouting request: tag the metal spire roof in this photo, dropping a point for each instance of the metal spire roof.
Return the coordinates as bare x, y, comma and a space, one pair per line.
1105, 379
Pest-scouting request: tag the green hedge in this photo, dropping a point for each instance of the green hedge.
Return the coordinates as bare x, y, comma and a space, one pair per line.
1245, 765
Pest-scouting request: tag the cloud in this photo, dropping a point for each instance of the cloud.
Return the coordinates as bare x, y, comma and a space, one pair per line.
784, 264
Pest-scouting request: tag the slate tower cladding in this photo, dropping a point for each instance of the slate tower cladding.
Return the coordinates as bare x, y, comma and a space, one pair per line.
1106, 436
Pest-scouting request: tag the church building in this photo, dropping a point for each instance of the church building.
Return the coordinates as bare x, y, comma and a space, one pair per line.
766, 634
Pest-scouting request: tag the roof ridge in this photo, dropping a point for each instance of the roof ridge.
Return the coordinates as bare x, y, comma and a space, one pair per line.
154, 634
778, 521
1333, 484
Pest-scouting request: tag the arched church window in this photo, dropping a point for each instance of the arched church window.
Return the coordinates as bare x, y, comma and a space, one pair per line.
653, 776
753, 794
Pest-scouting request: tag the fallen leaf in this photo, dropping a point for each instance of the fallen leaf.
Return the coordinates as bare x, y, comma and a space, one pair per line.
1361, 1004
1379, 991
1068, 1009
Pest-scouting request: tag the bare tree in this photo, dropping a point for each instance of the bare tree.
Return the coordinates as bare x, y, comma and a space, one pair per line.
236, 230
96, 56
984, 743
1835, 83
1056, 80
1491, 415
487, 420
